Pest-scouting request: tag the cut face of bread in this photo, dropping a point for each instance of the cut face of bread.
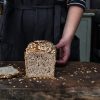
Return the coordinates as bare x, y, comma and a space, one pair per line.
8, 72
40, 59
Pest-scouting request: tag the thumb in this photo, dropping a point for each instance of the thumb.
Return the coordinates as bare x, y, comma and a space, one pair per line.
60, 44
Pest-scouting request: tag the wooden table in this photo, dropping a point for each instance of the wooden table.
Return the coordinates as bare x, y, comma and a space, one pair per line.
75, 81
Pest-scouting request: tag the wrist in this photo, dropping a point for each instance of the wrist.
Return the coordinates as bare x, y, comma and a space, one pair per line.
68, 36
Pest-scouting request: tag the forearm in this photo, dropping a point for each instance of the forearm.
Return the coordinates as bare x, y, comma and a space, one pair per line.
73, 19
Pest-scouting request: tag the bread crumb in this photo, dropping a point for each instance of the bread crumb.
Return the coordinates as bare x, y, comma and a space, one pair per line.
88, 72
10, 82
26, 86
14, 86
95, 71
92, 82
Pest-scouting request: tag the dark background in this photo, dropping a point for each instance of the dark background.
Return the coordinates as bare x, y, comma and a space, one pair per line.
95, 46
95, 39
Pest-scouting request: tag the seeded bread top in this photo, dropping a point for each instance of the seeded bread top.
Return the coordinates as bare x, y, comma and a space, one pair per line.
41, 46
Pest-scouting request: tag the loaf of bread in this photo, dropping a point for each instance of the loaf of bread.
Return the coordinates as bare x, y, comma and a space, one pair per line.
40, 59
8, 71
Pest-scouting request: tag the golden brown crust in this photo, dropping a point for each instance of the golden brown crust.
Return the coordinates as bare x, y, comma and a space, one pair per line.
41, 46
8, 76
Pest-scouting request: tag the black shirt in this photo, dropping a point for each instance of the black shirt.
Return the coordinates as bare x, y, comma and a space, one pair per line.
29, 20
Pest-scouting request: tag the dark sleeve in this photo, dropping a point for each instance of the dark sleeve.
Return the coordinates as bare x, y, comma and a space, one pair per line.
80, 3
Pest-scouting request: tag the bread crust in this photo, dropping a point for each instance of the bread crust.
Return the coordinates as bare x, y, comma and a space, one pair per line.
40, 59
8, 72
42, 45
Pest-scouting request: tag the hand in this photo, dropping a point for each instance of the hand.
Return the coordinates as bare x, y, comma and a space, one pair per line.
72, 21
64, 48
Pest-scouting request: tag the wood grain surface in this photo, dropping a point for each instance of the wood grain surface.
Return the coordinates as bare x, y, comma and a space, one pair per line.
75, 81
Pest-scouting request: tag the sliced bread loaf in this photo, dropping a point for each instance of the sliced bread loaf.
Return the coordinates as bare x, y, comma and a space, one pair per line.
40, 59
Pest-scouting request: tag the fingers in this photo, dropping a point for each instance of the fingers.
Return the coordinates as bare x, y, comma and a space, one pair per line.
64, 45
60, 53
64, 57
63, 60
60, 44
